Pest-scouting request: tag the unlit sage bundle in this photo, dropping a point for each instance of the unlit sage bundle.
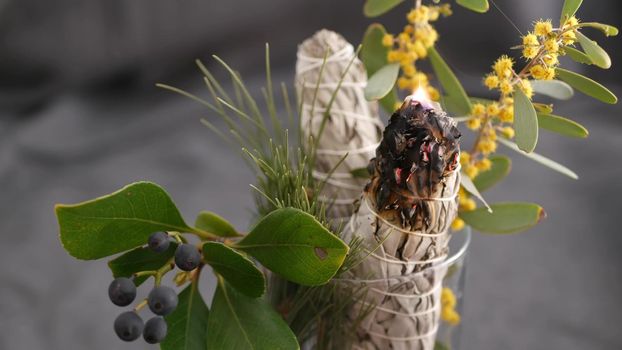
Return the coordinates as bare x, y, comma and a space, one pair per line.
352, 125
404, 218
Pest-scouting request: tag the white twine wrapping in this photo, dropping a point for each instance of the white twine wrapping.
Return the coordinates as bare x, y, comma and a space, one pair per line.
352, 126
405, 293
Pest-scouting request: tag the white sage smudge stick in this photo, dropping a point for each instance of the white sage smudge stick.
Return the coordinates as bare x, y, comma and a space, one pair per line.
404, 218
352, 126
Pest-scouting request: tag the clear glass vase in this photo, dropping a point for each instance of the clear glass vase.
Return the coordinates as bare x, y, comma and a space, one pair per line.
443, 328
449, 333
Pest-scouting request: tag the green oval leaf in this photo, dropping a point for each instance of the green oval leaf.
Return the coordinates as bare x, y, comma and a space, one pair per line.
235, 268
117, 222
594, 52
562, 126
525, 122
296, 246
214, 223
607, 29
140, 259
382, 82
479, 6
540, 159
374, 56
577, 56
453, 89
375, 8
587, 86
505, 217
373, 53
569, 9
187, 325
553, 88
500, 168
242, 323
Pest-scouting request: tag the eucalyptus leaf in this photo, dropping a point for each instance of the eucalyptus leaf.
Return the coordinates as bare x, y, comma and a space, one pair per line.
140, 259
374, 56
569, 9
587, 86
470, 187
214, 223
373, 53
237, 322
607, 29
594, 52
577, 56
296, 246
562, 126
500, 168
480, 6
453, 89
187, 325
119, 221
525, 122
382, 82
505, 217
540, 159
235, 268
375, 8
553, 88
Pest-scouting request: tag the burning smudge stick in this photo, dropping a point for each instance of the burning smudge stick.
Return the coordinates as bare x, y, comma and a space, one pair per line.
404, 218
352, 126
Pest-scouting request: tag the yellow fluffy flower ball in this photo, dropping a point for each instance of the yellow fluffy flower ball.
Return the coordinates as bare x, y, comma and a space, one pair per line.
503, 67
508, 132
538, 71
473, 123
491, 81
387, 40
506, 114
551, 45
483, 164
492, 109
506, 87
478, 110
457, 224
543, 28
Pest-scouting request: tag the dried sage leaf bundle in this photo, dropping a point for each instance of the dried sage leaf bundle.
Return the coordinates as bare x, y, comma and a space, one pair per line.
404, 219
330, 82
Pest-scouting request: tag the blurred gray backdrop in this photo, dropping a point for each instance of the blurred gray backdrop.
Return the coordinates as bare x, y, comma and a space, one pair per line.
80, 117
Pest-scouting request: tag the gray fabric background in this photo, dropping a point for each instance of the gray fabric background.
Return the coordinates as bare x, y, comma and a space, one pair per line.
80, 117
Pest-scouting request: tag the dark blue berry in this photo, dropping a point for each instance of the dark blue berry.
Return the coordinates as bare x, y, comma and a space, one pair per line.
128, 326
187, 257
122, 291
159, 242
155, 330
162, 300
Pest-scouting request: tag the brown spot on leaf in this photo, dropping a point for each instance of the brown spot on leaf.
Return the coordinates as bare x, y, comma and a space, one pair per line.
321, 253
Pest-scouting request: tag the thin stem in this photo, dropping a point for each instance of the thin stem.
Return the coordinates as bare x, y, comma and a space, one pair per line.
163, 270
140, 305
145, 273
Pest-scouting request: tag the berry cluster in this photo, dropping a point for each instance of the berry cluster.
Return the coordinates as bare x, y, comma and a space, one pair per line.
162, 300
